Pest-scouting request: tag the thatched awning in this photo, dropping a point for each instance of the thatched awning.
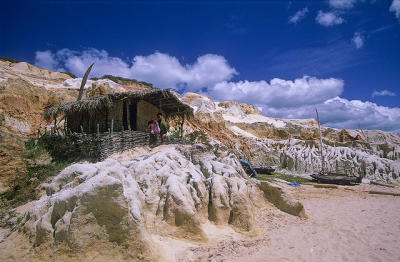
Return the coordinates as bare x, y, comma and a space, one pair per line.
163, 98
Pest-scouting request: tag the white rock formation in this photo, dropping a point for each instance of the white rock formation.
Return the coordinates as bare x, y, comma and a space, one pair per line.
131, 197
292, 145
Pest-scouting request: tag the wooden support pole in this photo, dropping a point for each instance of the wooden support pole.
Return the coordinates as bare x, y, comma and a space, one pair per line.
81, 129
55, 125
98, 129
183, 121
112, 120
128, 114
65, 125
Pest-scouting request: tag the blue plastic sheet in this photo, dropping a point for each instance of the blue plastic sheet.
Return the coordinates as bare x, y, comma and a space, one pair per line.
249, 165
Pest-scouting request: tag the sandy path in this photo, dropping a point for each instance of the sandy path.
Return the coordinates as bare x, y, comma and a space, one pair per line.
343, 225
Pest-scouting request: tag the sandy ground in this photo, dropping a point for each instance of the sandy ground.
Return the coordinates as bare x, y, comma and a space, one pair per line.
344, 224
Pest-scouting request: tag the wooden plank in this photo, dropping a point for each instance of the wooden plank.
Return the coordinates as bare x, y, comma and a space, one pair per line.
325, 186
383, 193
128, 114
381, 184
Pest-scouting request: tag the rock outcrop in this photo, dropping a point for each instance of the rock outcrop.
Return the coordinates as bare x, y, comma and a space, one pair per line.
125, 201
292, 145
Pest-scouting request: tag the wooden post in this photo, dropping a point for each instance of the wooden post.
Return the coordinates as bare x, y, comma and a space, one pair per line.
98, 129
65, 125
55, 125
320, 139
183, 121
81, 129
112, 119
128, 114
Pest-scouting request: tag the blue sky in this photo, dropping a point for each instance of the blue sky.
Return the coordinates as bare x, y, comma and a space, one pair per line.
340, 56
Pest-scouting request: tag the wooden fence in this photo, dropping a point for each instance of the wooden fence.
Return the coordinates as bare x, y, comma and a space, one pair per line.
97, 147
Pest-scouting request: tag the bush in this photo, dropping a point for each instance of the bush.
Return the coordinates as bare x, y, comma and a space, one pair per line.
8, 59
199, 137
119, 79
70, 74
177, 133
24, 187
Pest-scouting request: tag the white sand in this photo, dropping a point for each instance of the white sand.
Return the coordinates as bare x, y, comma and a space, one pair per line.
344, 224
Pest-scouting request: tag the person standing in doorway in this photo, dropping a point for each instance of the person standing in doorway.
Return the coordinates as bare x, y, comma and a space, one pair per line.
163, 126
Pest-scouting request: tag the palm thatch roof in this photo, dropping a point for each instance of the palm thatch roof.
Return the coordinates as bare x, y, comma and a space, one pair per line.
163, 98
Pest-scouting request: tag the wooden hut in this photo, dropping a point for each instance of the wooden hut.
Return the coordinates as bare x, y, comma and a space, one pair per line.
119, 111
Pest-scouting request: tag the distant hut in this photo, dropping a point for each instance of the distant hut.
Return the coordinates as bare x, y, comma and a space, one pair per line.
119, 111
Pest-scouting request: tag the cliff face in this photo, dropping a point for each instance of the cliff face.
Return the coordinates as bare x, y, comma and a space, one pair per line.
25, 92
137, 204
292, 145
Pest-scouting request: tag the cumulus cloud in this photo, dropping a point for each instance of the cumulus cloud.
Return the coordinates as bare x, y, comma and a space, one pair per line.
342, 113
298, 99
46, 59
329, 18
395, 8
167, 71
161, 69
211, 74
299, 15
342, 4
358, 40
279, 93
383, 93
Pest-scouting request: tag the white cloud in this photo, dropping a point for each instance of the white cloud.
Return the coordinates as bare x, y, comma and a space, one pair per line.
167, 71
383, 93
329, 18
298, 99
395, 8
342, 4
278, 92
161, 69
210, 74
342, 113
46, 59
299, 15
358, 40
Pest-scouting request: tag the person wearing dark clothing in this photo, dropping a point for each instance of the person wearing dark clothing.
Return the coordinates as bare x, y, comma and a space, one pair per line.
151, 127
163, 126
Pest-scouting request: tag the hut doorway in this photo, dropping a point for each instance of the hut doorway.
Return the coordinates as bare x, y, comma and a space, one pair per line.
130, 116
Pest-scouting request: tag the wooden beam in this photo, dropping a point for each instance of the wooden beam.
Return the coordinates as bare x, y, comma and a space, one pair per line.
112, 119
128, 113
183, 121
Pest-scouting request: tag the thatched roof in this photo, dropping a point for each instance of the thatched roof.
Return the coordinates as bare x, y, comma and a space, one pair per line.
165, 98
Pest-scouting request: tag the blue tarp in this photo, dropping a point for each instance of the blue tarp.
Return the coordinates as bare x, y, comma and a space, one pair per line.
244, 161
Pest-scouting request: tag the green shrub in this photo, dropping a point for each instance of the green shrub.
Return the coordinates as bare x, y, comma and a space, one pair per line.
24, 187
119, 79
70, 74
177, 133
8, 59
199, 137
